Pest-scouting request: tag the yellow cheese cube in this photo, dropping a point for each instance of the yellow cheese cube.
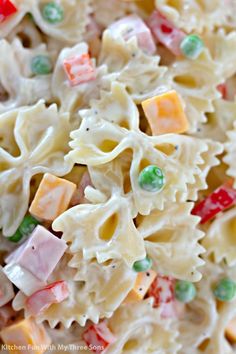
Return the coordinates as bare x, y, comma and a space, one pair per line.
165, 114
230, 330
141, 286
52, 197
25, 337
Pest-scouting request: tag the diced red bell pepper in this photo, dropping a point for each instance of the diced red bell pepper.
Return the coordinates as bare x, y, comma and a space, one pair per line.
162, 289
221, 199
165, 32
79, 69
51, 294
7, 8
223, 90
98, 337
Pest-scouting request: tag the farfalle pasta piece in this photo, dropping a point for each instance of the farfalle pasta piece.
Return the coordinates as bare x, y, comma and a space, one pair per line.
138, 328
222, 47
95, 291
219, 121
68, 339
127, 63
166, 234
70, 24
104, 231
230, 148
200, 315
17, 85
98, 142
124, 111
194, 15
219, 239
209, 161
196, 83
206, 317
76, 97
34, 140
28, 34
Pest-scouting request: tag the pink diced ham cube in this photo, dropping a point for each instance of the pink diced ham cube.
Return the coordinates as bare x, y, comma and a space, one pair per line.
23, 279
131, 26
40, 253
165, 32
6, 289
98, 337
51, 294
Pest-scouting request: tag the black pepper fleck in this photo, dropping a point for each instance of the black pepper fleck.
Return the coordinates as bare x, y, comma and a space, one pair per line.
87, 129
140, 289
148, 274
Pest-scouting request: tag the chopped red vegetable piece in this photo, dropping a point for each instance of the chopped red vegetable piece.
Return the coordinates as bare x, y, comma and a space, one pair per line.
79, 69
7, 8
51, 294
221, 199
98, 337
165, 32
162, 290
223, 90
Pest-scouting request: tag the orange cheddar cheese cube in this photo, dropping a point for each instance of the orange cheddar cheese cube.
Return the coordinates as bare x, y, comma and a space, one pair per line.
165, 114
230, 331
52, 197
25, 337
141, 286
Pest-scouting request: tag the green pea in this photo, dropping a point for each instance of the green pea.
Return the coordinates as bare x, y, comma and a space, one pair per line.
151, 178
143, 265
26, 227
225, 289
41, 65
191, 46
53, 13
185, 291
